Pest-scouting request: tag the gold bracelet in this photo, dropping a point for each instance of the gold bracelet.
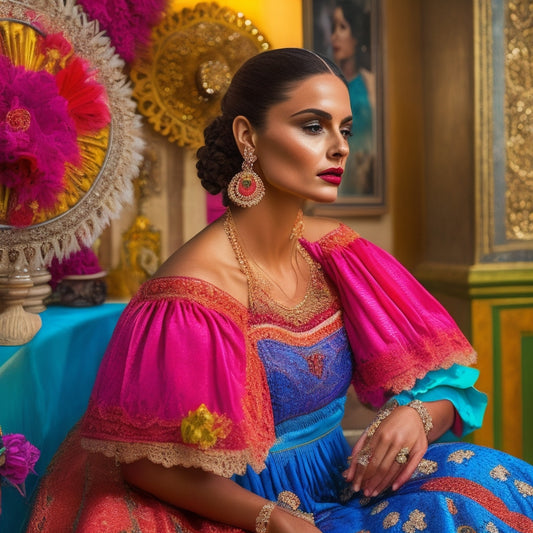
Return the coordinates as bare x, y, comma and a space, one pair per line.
419, 407
383, 413
290, 502
261, 522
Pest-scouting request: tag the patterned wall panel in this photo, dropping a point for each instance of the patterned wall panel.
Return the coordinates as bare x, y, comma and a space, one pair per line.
504, 114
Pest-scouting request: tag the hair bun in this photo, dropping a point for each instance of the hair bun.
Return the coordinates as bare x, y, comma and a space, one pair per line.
219, 159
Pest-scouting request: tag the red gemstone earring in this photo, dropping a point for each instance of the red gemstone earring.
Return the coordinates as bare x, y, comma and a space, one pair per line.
246, 188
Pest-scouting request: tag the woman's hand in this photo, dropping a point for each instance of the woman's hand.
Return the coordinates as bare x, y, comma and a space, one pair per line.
399, 437
283, 522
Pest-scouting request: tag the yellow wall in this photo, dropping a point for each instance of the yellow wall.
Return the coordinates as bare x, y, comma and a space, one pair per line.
281, 22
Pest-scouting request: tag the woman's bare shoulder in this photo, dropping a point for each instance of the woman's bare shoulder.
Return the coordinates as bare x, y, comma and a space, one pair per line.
202, 256
207, 256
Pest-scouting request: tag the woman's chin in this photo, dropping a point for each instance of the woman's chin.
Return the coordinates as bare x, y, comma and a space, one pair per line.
325, 199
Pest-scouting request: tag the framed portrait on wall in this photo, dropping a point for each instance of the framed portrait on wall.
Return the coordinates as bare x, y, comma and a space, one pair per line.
349, 32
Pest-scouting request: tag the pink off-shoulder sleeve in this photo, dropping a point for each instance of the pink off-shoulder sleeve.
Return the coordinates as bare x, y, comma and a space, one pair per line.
180, 384
397, 330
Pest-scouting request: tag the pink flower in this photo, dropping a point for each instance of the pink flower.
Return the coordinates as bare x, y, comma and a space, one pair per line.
128, 23
20, 458
84, 261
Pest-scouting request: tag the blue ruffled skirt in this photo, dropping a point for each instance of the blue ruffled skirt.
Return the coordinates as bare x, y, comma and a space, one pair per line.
458, 487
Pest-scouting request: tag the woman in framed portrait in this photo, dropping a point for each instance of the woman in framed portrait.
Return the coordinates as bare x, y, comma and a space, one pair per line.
350, 48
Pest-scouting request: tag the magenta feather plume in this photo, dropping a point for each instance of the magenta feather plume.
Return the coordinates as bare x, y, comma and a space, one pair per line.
127, 22
37, 136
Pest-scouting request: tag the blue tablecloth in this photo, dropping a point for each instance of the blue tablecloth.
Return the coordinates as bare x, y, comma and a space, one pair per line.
45, 386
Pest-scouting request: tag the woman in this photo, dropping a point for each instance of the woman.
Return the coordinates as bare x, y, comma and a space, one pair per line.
348, 44
217, 406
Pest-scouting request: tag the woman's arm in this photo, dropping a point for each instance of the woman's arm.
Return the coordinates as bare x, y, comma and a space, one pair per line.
403, 428
209, 495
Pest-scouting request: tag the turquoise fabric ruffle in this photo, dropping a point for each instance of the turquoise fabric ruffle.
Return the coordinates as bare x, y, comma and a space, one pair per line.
455, 384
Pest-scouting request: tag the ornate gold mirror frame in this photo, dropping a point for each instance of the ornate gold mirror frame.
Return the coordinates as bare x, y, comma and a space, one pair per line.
193, 56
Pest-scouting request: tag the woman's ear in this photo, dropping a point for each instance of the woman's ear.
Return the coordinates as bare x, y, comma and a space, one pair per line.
244, 133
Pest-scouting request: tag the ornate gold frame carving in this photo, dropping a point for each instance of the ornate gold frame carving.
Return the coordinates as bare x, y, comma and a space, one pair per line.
504, 174
193, 56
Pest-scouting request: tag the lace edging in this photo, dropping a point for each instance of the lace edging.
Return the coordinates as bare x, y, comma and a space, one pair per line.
376, 395
340, 237
223, 463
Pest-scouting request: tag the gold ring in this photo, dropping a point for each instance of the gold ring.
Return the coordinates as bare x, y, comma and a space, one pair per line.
402, 456
364, 456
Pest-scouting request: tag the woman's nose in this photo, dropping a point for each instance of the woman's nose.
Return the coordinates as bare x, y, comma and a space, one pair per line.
340, 148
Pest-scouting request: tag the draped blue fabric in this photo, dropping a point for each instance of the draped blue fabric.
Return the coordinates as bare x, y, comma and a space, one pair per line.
45, 386
459, 485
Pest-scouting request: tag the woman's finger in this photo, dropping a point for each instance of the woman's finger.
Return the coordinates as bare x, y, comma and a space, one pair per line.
370, 461
349, 474
407, 472
393, 465
384, 470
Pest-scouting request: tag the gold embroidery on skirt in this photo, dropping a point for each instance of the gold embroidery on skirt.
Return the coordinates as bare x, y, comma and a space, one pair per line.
379, 507
451, 506
427, 467
415, 523
391, 520
460, 455
499, 472
523, 488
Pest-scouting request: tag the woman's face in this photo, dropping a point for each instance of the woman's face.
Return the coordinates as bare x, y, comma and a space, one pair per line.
302, 148
343, 43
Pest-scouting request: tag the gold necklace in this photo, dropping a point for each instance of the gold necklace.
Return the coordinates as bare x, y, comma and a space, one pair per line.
317, 295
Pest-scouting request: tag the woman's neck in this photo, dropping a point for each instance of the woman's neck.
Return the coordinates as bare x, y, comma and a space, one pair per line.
349, 68
266, 232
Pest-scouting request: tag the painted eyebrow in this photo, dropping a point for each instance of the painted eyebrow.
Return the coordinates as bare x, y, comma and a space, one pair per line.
320, 113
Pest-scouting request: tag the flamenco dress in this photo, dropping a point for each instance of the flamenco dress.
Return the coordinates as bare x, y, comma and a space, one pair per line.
192, 377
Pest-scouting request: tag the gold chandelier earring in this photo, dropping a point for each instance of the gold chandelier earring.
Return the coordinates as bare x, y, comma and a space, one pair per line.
246, 188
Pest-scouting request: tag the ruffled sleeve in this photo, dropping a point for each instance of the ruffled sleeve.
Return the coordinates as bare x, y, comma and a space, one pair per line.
455, 384
180, 384
398, 331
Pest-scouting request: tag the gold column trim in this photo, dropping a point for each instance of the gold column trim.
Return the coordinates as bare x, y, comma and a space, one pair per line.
483, 126
478, 281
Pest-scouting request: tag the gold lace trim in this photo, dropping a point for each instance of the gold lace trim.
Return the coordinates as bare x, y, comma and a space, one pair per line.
309, 337
194, 290
224, 463
340, 237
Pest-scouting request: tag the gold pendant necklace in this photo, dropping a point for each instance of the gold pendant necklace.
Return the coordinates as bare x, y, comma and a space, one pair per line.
317, 296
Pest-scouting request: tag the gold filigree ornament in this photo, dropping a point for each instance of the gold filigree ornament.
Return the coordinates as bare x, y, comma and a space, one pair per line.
44, 37
193, 56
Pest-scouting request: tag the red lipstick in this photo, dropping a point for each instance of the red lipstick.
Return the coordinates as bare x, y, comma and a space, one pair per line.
332, 175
